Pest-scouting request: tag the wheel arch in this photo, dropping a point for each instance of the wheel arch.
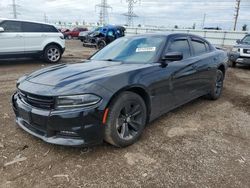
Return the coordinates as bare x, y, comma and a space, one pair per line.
222, 68
53, 43
139, 90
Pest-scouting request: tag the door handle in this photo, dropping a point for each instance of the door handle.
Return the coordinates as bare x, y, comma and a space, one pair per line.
43, 35
19, 36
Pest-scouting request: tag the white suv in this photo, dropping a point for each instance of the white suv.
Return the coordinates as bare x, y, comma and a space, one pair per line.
30, 39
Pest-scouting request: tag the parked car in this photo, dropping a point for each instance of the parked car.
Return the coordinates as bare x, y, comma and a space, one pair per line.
112, 96
84, 34
74, 33
30, 39
240, 53
63, 30
103, 36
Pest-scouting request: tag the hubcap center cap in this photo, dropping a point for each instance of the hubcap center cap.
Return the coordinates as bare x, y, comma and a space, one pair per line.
127, 119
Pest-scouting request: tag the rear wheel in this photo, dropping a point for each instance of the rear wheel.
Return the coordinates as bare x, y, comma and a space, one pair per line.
217, 86
126, 120
52, 54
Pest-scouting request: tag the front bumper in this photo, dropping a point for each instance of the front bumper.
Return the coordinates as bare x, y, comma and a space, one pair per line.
73, 127
235, 57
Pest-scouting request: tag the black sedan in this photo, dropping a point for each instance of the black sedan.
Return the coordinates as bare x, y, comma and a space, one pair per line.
121, 88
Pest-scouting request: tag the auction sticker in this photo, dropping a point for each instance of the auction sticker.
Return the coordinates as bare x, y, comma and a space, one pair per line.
147, 49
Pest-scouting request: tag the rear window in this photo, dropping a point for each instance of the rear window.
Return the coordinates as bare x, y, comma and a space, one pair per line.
199, 47
35, 27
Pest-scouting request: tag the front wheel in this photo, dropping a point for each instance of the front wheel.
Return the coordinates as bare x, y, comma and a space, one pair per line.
217, 87
101, 45
52, 54
126, 119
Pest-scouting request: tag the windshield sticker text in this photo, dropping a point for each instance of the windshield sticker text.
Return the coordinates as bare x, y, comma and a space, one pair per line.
148, 49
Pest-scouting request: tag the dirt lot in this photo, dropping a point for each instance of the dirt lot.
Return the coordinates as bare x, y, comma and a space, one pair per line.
202, 144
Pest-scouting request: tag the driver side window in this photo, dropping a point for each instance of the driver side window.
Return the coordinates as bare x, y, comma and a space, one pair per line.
180, 45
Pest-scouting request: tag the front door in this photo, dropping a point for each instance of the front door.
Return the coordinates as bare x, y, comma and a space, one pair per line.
183, 76
12, 41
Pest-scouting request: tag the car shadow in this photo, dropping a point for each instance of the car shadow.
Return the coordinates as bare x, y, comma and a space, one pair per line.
245, 67
14, 62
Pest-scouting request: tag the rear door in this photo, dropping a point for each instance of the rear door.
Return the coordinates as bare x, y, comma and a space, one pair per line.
12, 39
203, 63
33, 37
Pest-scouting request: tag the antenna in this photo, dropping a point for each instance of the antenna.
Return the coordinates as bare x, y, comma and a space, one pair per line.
237, 9
130, 14
103, 15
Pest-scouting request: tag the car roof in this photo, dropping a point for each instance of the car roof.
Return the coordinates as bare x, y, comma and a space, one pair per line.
112, 27
168, 34
19, 20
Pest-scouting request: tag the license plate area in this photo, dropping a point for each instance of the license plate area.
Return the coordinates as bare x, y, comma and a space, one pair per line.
24, 114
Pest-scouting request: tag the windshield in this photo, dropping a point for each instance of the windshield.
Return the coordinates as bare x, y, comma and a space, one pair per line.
132, 50
246, 39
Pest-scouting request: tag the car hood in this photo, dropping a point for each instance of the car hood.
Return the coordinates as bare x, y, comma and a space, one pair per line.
80, 73
242, 46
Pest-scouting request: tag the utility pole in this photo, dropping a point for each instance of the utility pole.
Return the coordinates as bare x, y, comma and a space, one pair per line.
130, 14
14, 9
203, 22
237, 9
103, 15
45, 18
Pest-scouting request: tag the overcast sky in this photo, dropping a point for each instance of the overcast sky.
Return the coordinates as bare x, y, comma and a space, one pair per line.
151, 12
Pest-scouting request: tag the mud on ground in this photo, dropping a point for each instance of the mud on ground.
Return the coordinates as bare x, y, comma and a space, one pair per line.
201, 144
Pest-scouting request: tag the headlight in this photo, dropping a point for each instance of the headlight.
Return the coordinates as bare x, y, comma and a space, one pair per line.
235, 49
20, 80
77, 101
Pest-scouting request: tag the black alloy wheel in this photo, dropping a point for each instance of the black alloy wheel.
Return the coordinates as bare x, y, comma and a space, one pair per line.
217, 86
126, 119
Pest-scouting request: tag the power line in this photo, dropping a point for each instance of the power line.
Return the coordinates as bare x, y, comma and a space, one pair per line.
103, 15
130, 14
237, 9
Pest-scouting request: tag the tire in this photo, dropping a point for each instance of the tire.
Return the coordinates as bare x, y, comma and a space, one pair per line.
52, 54
232, 64
126, 120
217, 87
101, 45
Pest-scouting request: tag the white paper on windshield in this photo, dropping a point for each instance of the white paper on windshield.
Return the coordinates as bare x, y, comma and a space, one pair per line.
147, 49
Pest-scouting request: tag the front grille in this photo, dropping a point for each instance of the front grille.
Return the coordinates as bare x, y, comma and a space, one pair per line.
38, 101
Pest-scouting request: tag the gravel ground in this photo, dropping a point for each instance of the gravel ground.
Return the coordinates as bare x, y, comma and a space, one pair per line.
201, 144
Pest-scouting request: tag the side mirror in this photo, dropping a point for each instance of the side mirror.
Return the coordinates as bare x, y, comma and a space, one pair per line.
173, 56
238, 41
1, 29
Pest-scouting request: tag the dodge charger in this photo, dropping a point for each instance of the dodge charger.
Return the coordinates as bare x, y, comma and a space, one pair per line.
118, 90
